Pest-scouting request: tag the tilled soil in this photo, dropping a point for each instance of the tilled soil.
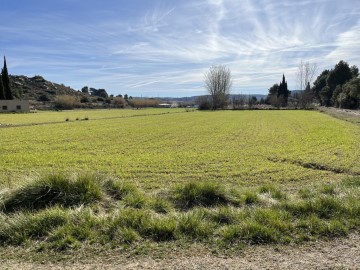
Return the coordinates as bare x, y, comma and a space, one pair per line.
341, 253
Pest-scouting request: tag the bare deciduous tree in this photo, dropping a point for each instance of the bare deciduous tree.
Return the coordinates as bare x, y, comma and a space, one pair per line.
306, 74
218, 82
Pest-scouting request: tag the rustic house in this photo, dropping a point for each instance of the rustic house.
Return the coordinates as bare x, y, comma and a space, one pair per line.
14, 105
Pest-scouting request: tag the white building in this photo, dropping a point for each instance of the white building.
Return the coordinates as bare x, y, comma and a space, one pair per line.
14, 105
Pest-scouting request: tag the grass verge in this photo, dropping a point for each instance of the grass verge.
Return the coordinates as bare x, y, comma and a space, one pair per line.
60, 213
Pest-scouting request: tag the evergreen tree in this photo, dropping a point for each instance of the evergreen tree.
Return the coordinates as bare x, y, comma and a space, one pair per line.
319, 84
2, 93
354, 71
283, 92
272, 97
6, 81
339, 75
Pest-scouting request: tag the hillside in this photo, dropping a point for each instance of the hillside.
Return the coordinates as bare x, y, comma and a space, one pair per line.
39, 89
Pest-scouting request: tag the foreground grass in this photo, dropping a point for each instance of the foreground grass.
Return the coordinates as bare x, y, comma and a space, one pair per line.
61, 212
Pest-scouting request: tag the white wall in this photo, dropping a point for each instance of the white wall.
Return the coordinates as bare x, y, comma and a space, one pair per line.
14, 105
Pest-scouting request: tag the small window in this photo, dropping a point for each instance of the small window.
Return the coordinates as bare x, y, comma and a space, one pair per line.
4, 108
18, 107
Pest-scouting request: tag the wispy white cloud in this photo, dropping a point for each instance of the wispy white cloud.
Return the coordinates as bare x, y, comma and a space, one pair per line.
347, 46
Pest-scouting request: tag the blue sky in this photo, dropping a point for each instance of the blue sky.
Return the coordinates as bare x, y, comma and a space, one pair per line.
163, 48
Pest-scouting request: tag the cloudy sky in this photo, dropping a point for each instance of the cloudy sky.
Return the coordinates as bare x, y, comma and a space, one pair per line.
164, 47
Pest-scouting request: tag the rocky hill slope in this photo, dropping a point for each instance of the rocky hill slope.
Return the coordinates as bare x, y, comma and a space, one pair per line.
39, 89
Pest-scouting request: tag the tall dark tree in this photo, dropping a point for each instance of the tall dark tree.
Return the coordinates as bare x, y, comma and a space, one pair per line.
341, 74
330, 89
354, 71
350, 96
2, 93
319, 84
283, 92
6, 81
325, 96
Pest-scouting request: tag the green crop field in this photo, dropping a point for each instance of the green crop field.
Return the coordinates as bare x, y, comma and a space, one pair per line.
164, 175
247, 147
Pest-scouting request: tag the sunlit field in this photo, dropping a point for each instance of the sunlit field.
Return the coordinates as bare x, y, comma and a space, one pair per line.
165, 146
221, 179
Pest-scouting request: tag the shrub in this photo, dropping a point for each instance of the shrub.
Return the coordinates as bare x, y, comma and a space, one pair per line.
324, 207
119, 189
195, 225
44, 98
84, 226
24, 226
56, 189
201, 194
160, 229
143, 103
274, 192
125, 235
160, 205
67, 102
224, 215
250, 197
204, 103
136, 200
85, 99
250, 232
119, 102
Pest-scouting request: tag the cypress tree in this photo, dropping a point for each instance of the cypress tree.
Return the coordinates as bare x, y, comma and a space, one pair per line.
6, 81
2, 93
283, 92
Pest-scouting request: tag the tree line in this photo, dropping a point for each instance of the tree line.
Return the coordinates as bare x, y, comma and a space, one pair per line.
338, 87
5, 89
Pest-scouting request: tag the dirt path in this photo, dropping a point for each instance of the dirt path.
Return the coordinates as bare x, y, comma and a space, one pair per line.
341, 253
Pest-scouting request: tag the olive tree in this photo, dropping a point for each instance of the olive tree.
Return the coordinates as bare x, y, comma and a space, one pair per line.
218, 83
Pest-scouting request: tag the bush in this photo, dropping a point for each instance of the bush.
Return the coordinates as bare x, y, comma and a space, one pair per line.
274, 192
55, 189
85, 100
23, 227
44, 98
119, 102
224, 215
249, 232
204, 103
119, 189
201, 194
325, 207
67, 102
250, 197
143, 103
195, 225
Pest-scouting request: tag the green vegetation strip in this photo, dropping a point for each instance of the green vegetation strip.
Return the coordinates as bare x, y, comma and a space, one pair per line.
238, 147
56, 117
59, 212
